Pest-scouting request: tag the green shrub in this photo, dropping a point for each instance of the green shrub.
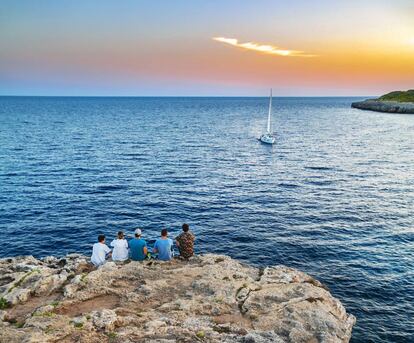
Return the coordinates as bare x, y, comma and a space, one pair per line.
200, 334
111, 336
43, 314
19, 325
78, 325
49, 329
55, 303
83, 277
400, 96
4, 304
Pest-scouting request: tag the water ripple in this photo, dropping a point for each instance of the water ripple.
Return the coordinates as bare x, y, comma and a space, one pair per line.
334, 197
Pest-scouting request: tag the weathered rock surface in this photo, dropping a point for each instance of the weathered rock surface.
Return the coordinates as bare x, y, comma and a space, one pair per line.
384, 106
210, 298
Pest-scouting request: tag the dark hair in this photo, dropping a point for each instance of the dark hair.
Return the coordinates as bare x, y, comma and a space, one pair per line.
186, 227
101, 238
164, 232
120, 234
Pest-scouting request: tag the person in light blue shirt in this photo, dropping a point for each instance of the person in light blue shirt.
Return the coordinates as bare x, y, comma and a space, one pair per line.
138, 247
163, 246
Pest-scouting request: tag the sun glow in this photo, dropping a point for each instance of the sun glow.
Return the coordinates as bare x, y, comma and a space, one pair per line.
264, 48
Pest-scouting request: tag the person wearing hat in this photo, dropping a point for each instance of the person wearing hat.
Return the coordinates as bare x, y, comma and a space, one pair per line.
138, 247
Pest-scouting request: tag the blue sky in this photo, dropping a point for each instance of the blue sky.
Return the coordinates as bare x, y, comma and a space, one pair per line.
167, 47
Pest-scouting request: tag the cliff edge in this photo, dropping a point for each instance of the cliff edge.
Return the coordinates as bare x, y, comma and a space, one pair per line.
210, 298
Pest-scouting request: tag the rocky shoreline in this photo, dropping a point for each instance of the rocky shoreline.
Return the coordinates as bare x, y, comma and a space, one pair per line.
210, 298
385, 106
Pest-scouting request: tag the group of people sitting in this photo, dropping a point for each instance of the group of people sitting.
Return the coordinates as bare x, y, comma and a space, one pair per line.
136, 249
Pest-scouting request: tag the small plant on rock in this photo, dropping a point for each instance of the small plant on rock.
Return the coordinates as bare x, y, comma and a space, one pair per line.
4, 304
46, 314
83, 277
19, 282
111, 336
19, 325
78, 325
55, 304
218, 300
201, 334
49, 330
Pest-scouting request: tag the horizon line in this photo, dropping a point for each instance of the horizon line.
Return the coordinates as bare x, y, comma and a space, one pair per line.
183, 96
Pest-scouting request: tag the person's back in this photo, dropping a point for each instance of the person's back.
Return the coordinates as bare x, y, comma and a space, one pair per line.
120, 246
185, 242
163, 246
99, 251
138, 247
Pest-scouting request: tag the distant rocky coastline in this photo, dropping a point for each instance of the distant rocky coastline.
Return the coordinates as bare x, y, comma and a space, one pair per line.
209, 298
385, 106
394, 102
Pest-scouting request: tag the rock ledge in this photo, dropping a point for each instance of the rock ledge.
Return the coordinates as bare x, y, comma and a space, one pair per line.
385, 106
210, 298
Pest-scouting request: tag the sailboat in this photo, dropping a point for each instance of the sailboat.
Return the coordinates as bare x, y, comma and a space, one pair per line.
268, 137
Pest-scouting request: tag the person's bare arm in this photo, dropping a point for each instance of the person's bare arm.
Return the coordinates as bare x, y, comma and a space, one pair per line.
178, 243
145, 250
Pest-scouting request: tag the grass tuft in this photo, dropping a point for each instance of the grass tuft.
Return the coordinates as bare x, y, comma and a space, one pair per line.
46, 314
55, 304
4, 304
19, 282
399, 96
111, 336
78, 325
201, 334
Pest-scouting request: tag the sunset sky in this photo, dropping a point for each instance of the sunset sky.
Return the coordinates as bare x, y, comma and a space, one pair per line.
215, 47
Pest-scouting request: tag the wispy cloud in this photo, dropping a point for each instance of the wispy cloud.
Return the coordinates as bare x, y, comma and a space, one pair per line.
263, 48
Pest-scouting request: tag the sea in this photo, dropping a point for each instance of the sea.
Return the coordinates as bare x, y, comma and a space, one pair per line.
333, 197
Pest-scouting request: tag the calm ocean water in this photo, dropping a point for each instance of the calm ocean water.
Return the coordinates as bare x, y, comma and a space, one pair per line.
334, 197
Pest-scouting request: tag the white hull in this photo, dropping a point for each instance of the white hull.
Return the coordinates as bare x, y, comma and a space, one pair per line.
267, 138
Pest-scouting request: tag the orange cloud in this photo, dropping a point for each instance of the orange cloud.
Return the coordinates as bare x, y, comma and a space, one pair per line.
264, 48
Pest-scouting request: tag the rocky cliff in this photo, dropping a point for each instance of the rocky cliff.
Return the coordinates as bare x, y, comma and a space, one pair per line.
210, 298
384, 106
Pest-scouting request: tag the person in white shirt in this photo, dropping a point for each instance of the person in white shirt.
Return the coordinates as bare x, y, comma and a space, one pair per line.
100, 251
120, 246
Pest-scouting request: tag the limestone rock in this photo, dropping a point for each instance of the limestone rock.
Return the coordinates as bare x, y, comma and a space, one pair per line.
384, 106
79, 321
209, 298
262, 337
49, 284
70, 290
104, 319
17, 295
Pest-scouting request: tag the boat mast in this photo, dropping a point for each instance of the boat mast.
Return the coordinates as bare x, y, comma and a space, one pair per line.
270, 112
